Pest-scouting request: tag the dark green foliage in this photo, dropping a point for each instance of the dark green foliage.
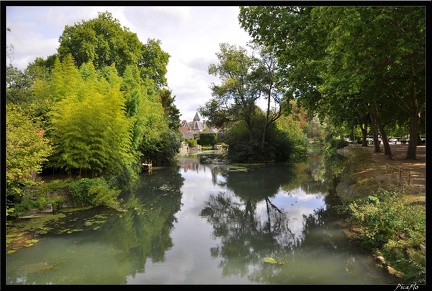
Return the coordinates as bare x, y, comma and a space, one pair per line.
17, 86
277, 148
386, 219
101, 40
281, 146
247, 152
122, 179
171, 111
105, 42
27, 203
79, 191
209, 139
337, 143
162, 152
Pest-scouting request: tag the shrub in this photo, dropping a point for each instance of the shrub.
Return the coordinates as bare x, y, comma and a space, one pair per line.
335, 144
93, 192
395, 228
192, 142
208, 139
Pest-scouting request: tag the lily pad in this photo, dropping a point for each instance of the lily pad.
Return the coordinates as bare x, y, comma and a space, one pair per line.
273, 261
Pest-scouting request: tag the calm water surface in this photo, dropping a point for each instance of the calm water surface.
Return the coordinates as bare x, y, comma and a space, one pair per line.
205, 223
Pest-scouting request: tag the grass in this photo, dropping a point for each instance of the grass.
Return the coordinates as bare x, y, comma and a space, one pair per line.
388, 222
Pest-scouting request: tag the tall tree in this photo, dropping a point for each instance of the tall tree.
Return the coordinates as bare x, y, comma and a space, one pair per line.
388, 65
105, 42
237, 94
153, 63
27, 149
90, 129
345, 50
267, 81
172, 113
18, 86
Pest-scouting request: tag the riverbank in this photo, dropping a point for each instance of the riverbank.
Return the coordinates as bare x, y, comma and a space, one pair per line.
386, 199
376, 170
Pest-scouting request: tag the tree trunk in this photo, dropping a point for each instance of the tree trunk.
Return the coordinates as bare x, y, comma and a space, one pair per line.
387, 150
414, 125
267, 122
414, 132
377, 148
363, 128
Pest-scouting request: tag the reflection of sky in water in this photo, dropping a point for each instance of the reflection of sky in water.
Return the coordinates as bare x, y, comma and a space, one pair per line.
295, 204
189, 260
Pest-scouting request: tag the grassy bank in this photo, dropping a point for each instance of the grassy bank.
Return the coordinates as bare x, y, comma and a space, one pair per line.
384, 217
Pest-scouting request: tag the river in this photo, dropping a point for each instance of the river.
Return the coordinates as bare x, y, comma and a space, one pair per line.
205, 222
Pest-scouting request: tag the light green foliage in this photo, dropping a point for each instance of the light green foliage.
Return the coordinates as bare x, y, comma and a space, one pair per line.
191, 142
103, 117
155, 126
26, 149
273, 261
89, 126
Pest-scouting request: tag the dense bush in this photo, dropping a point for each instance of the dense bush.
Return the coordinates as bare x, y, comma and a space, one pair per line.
93, 192
208, 139
192, 142
248, 152
394, 227
335, 143
280, 145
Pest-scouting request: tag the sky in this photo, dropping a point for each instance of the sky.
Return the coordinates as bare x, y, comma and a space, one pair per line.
189, 34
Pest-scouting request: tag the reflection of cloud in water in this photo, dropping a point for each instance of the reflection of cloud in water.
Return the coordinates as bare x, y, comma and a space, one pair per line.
193, 198
188, 261
295, 204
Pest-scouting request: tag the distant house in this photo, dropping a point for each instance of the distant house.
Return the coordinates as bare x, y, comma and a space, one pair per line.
186, 133
193, 128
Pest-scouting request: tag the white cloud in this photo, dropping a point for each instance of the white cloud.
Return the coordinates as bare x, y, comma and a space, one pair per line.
190, 34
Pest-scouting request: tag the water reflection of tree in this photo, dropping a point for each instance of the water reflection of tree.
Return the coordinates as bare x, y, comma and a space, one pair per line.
143, 231
318, 173
146, 234
246, 237
245, 240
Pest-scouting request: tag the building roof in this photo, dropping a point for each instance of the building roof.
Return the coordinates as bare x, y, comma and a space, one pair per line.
196, 118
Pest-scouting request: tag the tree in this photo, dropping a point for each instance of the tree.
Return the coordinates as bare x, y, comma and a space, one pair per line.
171, 111
297, 45
236, 96
268, 83
90, 128
153, 63
26, 150
17, 86
345, 51
159, 144
104, 42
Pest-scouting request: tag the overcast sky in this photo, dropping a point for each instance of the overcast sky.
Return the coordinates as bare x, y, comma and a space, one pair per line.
189, 34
